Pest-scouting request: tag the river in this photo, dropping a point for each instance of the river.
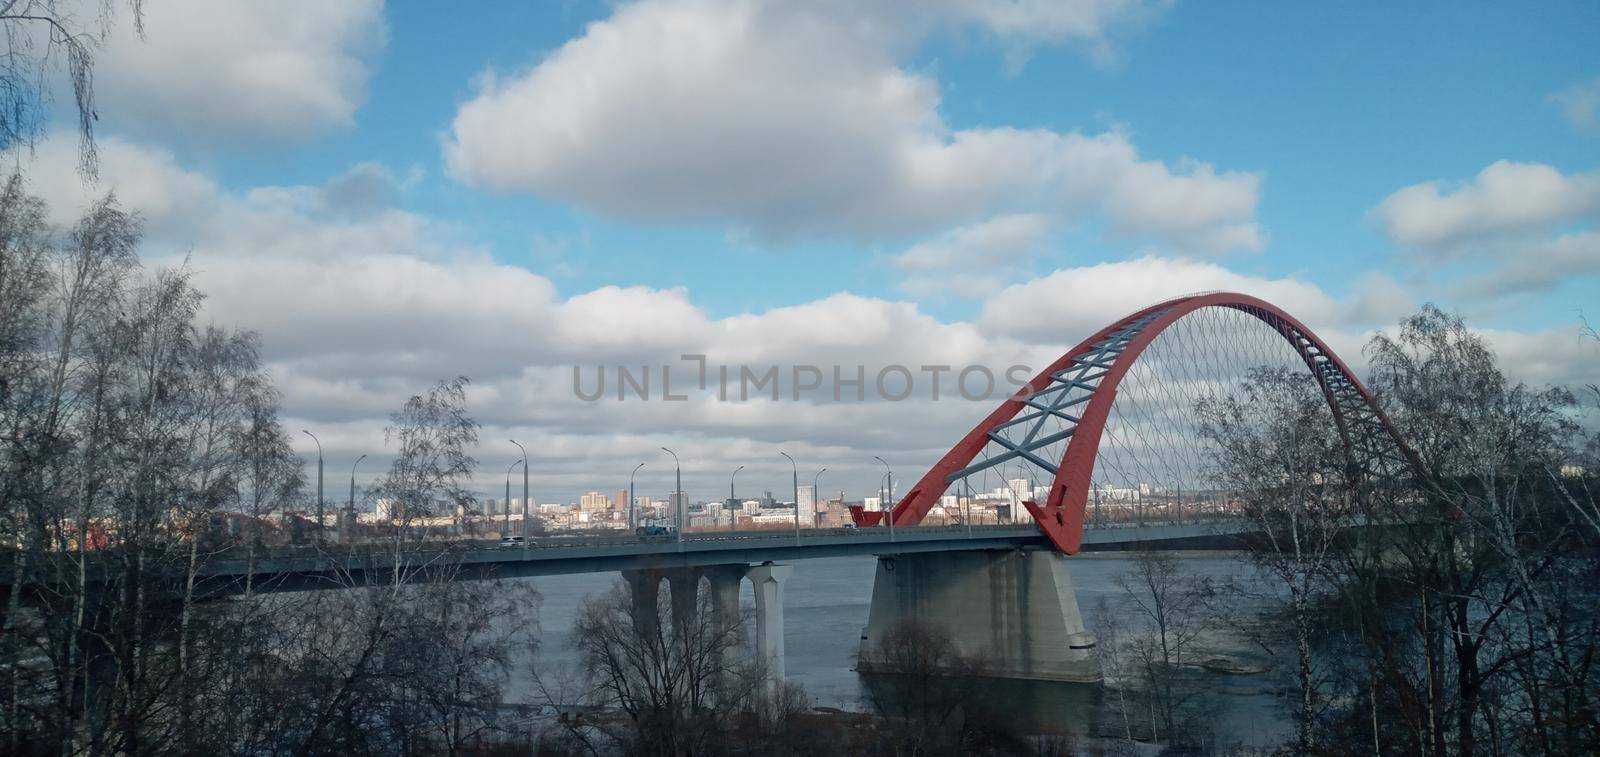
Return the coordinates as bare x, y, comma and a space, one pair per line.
826, 606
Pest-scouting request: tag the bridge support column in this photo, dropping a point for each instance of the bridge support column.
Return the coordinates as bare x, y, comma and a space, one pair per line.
768, 580
644, 587
684, 585
724, 581
1014, 610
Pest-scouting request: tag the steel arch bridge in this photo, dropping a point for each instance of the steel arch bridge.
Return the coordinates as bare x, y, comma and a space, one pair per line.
1112, 410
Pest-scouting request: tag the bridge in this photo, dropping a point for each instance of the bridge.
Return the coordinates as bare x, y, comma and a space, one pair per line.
1113, 420
1019, 555
310, 568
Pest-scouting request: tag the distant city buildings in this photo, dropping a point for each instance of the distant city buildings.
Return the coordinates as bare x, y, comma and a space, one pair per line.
808, 504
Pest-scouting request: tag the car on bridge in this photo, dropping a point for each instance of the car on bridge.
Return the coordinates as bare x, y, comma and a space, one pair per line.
655, 530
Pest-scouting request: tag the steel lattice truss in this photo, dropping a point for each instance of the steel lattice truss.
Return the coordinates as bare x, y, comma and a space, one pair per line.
1113, 421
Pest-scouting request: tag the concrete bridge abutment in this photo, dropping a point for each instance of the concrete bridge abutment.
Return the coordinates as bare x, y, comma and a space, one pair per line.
1012, 611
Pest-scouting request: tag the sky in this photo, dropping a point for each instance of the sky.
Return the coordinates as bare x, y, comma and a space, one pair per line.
394, 194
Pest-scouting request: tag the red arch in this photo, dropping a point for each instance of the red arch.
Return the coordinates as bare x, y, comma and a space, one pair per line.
1363, 426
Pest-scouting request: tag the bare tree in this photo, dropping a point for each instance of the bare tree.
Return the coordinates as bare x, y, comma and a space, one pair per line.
38, 34
676, 681
1487, 534
1173, 614
127, 432
1275, 445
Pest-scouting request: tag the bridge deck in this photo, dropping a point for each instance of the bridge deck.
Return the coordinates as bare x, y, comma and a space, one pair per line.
295, 568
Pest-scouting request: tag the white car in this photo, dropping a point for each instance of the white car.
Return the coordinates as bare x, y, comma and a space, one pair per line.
514, 541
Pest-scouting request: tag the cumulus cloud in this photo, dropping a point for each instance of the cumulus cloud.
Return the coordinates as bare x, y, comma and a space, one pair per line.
1580, 104
216, 70
146, 179
1072, 303
1504, 198
789, 122
1089, 22
360, 305
1558, 356
973, 260
1532, 223
1538, 265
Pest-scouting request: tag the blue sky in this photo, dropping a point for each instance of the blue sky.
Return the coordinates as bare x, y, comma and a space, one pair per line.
1335, 107
394, 193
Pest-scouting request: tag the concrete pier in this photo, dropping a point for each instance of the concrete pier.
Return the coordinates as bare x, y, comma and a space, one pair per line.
643, 588
684, 586
1014, 609
768, 580
723, 582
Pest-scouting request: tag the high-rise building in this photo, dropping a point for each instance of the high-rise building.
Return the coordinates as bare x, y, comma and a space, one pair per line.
1021, 488
389, 509
807, 504
594, 502
620, 501
679, 507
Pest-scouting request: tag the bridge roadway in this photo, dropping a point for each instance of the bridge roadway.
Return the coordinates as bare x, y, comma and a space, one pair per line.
298, 568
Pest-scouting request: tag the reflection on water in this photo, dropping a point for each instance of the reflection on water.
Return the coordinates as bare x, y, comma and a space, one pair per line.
826, 607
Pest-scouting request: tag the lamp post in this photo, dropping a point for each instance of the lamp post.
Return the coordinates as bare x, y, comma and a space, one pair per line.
677, 494
815, 492
890, 498
795, 471
319, 482
883, 497
966, 483
352, 504
525, 506
353, 481
505, 507
733, 517
631, 522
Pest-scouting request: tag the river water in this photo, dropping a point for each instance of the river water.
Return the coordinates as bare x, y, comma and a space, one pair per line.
825, 609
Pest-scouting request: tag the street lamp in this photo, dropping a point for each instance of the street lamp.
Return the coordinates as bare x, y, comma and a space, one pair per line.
733, 518
795, 470
505, 507
677, 494
966, 483
890, 504
631, 520
815, 493
353, 481
525, 506
353, 484
319, 482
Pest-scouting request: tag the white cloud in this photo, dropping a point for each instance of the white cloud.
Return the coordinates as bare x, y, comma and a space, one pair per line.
1537, 265
974, 260
1560, 356
791, 122
146, 179
1504, 198
1580, 104
1530, 222
286, 69
1377, 298
1072, 303
360, 305
1041, 21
